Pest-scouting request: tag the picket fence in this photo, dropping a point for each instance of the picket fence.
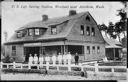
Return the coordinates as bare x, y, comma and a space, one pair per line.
96, 68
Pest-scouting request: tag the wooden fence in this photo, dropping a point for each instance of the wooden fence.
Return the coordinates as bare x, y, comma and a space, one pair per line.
96, 68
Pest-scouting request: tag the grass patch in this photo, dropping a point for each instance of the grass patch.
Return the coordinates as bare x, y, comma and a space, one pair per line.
113, 64
104, 69
42, 71
52, 68
89, 69
75, 68
63, 68
120, 70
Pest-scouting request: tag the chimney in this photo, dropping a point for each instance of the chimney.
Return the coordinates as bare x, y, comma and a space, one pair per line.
72, 12
44, 17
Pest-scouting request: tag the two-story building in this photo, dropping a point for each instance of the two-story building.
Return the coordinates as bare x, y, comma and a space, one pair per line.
75, 33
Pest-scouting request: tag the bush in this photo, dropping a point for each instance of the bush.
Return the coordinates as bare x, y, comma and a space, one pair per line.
8, 59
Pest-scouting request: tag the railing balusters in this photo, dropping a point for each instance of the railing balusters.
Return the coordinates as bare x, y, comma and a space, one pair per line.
96, 67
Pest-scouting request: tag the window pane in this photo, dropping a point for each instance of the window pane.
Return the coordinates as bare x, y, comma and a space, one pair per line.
88, 30
82, 30
19, 34
30, 31
37, 32
93, 49
93, 31
13, 50
13, 47
53, 29
98, 49
88, 50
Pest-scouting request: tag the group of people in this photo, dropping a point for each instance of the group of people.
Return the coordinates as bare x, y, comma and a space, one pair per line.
66, 58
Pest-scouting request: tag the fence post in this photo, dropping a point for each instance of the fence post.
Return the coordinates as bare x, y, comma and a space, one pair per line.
37, 66
96, 67
82, 68
69, 68
29, 66
14, 65
57, 67
21, 66
1, 65
112, 70
47, 65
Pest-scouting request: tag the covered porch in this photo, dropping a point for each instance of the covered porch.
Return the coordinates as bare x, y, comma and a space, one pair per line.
113, 53
51, 48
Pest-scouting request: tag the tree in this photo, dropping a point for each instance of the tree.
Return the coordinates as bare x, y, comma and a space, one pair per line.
112, 30
122, 24
103, 28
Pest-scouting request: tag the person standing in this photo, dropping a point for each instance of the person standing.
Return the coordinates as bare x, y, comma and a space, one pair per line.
47, 59
35, 59
65, 59
69, 56
41, 59
76, 59
60, 58
30, 59
54, 59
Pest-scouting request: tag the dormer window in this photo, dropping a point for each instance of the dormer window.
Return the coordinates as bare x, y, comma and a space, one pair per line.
93, 31
88, 18
37, 32
82, 29
19, 34
88, 31
30, 32
53, 30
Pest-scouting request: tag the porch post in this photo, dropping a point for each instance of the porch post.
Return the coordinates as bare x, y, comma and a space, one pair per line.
62, 49
114, 53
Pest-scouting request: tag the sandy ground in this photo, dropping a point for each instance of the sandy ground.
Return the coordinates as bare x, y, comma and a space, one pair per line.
21, 76
11, 76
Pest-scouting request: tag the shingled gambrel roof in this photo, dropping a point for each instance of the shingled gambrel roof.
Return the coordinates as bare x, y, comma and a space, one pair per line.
51, 21
45, 24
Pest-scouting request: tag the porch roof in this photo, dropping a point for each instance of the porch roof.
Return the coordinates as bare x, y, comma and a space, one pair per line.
112, 43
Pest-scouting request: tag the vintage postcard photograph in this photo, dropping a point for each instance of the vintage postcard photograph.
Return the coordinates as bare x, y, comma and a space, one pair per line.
64, 41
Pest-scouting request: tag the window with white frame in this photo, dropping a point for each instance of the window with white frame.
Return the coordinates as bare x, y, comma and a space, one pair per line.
53, 30
93, 31
93, 49
13, 50
88, 49
82, 29
98, 49
88, 31
19, 34
37, 32
30, 32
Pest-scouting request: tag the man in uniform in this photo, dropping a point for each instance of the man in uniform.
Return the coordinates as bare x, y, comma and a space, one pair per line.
41, 59
35, 59
54, 59
60, 58
69, 56
30, 59
47, 59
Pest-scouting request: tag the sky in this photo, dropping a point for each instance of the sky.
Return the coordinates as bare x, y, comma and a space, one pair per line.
17, 14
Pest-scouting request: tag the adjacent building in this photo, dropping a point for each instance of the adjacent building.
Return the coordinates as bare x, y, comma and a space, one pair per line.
75, 33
